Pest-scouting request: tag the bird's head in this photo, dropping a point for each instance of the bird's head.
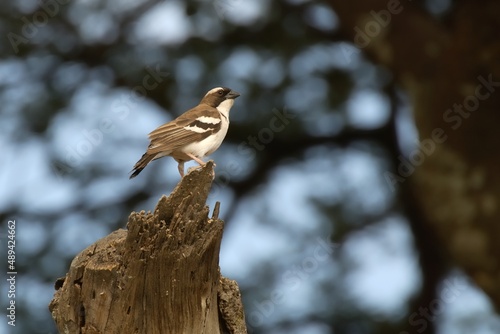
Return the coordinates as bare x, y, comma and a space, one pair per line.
218, 95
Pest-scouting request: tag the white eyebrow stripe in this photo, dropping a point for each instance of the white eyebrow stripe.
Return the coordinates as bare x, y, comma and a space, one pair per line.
208, 119
197, 129
213, 90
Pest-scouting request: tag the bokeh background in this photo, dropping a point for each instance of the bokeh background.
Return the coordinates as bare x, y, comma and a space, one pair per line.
318, 236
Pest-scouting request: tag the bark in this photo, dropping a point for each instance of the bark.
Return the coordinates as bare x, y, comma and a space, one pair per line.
159, 276
449, 68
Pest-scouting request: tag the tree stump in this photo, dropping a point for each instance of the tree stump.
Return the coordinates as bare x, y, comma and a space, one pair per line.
159, 276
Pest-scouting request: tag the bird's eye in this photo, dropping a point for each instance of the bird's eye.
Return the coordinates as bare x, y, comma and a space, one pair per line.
221, 92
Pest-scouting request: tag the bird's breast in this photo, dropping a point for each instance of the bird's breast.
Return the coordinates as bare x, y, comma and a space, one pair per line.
208, 145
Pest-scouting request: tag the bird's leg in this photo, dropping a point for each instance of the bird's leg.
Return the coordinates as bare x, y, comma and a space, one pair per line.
202, 164
180, 167
198, 160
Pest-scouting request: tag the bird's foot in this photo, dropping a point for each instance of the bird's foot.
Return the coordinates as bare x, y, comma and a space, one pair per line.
190, 169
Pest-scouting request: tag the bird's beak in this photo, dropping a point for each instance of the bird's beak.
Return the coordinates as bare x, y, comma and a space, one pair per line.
232, 94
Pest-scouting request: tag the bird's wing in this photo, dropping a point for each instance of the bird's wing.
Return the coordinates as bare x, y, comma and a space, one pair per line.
192, 126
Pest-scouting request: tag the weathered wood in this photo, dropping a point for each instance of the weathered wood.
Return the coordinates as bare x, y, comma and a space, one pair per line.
159, 276
230, 307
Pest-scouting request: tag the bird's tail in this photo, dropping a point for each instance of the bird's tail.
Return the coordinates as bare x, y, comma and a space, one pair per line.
141, 164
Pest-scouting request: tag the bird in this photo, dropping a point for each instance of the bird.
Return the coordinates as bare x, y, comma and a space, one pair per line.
193, 135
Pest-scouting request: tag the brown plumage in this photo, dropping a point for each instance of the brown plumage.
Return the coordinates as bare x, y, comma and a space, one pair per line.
194, 134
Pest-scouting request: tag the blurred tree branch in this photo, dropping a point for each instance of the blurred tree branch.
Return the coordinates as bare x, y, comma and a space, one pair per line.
450, 71
450, 200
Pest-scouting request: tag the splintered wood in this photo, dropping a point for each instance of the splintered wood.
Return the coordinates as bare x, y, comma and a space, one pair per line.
159, 276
